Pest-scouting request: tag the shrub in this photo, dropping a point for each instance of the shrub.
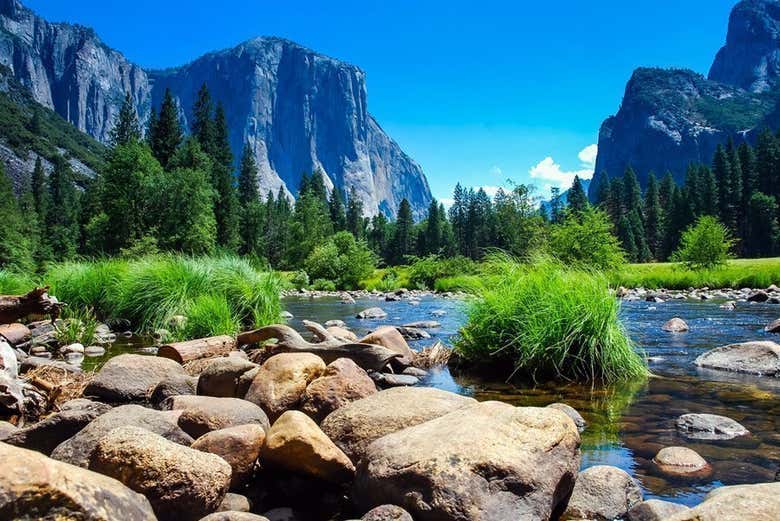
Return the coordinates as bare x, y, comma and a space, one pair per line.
77, 325
587, 239
324, 285
300, 279
706, 244
424, 273
544, 320
341, 259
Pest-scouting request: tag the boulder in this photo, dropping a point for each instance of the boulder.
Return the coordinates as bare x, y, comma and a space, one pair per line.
387, 513
335, 323
372, 314
282, 380
245, 382
94, 351
709, 427
77, 449
680, 461
675, 325
220, 377
45, 435
178, 385
181, 483
389, 337
484, 462
295, 443
354, 426
6, 429
654, 510
240, 446
759, 358
386, 380
233, 516
572, 413
760, 502
342, 334
129, 378
33, 486
603, 493
234, 503
758, 296
343, 382
773, 327
202, 414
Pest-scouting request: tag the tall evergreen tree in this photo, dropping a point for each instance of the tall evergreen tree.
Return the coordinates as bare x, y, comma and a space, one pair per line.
403, 240
654, 220
632, 192
578, 200
250, 206
709, 191
735, 185
202, 120
602, 182
338, 215
40, 191
247, 177
378, 236
226, 207
15, 247
126, 128
626, 236
166, 133
556, 205
433, 229
763, 231
721, 168
355, 214
63, 216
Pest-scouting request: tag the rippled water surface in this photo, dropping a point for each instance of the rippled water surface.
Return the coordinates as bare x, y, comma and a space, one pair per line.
629, 423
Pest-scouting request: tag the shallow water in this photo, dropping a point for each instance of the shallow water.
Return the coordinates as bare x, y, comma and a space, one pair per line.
629, 423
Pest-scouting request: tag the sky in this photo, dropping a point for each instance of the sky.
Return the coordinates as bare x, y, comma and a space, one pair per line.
476, 92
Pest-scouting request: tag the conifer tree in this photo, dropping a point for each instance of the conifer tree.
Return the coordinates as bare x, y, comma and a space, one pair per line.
632, 193
763, 231
378, 235
355, 223
40, 191
654, 225
247, 177
15, 248
226, 206
602, 183
250, 206
126, 128
402, 242
433, 229
709, 191
202, 123
735, 186
166, 134
721, 168
578, 200
626, 236
338, 215
556, 205
62, 234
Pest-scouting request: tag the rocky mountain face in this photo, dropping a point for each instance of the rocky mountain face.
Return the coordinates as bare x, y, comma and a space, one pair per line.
670, 118
299, 111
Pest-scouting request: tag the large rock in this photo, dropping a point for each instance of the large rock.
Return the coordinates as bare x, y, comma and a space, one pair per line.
33, 486
343, 382
759, 358
372, 314
572, 413
603, 493
680, 461
282, 380
484, 462
709, 427
220, 377
773, 327
6, 429
392, 339
202, 414
354, 426
45, 435
654, 510
295, 443
181, 483
78, 449
387, 513
240, 446
233, 515
675, 325
130, 378
759, 502
175, 386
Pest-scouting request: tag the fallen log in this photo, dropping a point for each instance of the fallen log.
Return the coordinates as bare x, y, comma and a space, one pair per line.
36, 302
368, 356
15, 333
190, 350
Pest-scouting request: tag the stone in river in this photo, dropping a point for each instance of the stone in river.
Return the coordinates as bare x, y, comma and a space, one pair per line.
760, 502
394, 380
681, 461
758, 296
654, 510
675, 325
423, 324
372, 313
335, 323
709, 427
773, 327
603, 493
759, 358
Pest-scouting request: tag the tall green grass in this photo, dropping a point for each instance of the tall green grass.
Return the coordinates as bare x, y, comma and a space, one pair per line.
739, 273
544, 321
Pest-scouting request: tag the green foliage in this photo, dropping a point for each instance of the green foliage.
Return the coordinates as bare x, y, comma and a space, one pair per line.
16, 250
209, 315
78, 325
323, 285
705, 245
127, 128
423, 273
166, 134
300, 279
14, 283
586, 239
544, 320
341, 259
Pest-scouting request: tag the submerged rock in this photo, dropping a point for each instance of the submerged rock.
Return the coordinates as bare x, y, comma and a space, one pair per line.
484, 462
759, 358
680, 461
759, 502
675, 325
128, 377
603, 493
709, 427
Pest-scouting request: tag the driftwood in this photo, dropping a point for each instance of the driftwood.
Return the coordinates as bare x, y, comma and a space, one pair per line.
368, 356
15, 333
36, 302
190, 350
432, 356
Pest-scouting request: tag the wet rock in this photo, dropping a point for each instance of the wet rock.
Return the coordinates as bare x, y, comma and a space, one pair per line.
654, 510
354, 426
286, 315
240, 446
709, 427
773, 327
72, 348
759, 358
387, 513
389, 337
178, 385
94, 351
128, 378
180, 482
487, 461
415, 371
759, 502
680, 461
371, 314
728, 306
343, 382
413, 333
423, 324
234, 503
335, 323
295, 443
77, 449
758, 296
233, 515
675, 325
386, 380
33, 486
45, 435
220, 377
603, 493
202, 414
282, 380
572, 413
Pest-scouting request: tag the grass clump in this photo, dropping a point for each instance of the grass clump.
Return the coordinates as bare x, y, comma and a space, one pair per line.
78, 325
738, 273
13, 283
546, 321
209, 315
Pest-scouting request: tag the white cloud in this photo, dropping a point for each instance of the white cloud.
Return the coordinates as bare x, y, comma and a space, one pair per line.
551, 172
588, 155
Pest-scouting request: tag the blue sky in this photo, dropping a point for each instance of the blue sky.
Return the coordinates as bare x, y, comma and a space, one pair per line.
476, 92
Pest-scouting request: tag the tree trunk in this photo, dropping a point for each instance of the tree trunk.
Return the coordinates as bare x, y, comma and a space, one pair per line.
190, 350
36, 302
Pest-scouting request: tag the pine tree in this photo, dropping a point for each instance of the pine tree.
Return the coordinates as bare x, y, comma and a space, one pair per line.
643, 253
556, 205
763, 231
15, 248
768, 163
748, 160
226, 206
338, 215
615, 201
40, 192
378, 235
62, 218
126, 128
402, 242
632, 192
247, 177
433, 229
166, 133
578, 200
709, 192
626, 236
735, 183
202, 124
602, 189
721, 167
654, 225
458, 218
666, 190
355, 214
250, 207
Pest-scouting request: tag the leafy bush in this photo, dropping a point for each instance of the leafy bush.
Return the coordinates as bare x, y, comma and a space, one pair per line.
587, 240
77, 325
342, 260
324, 285
706, 244
300, 279
424, 273
545, 320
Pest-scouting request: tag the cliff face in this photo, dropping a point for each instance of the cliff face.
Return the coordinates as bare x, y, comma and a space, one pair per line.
299, 111
671, 118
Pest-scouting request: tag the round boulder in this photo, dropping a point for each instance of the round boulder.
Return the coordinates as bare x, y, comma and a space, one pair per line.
675, 325
202, 414
389, 337
387, 513
281, 381
174, 386
343, 382
220, 377
128, 378
572, 413
759, 358
759, 502
233, 515
180, 483
603, 493
680, 461
240, 446
709, 427
372, 314
654, 510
